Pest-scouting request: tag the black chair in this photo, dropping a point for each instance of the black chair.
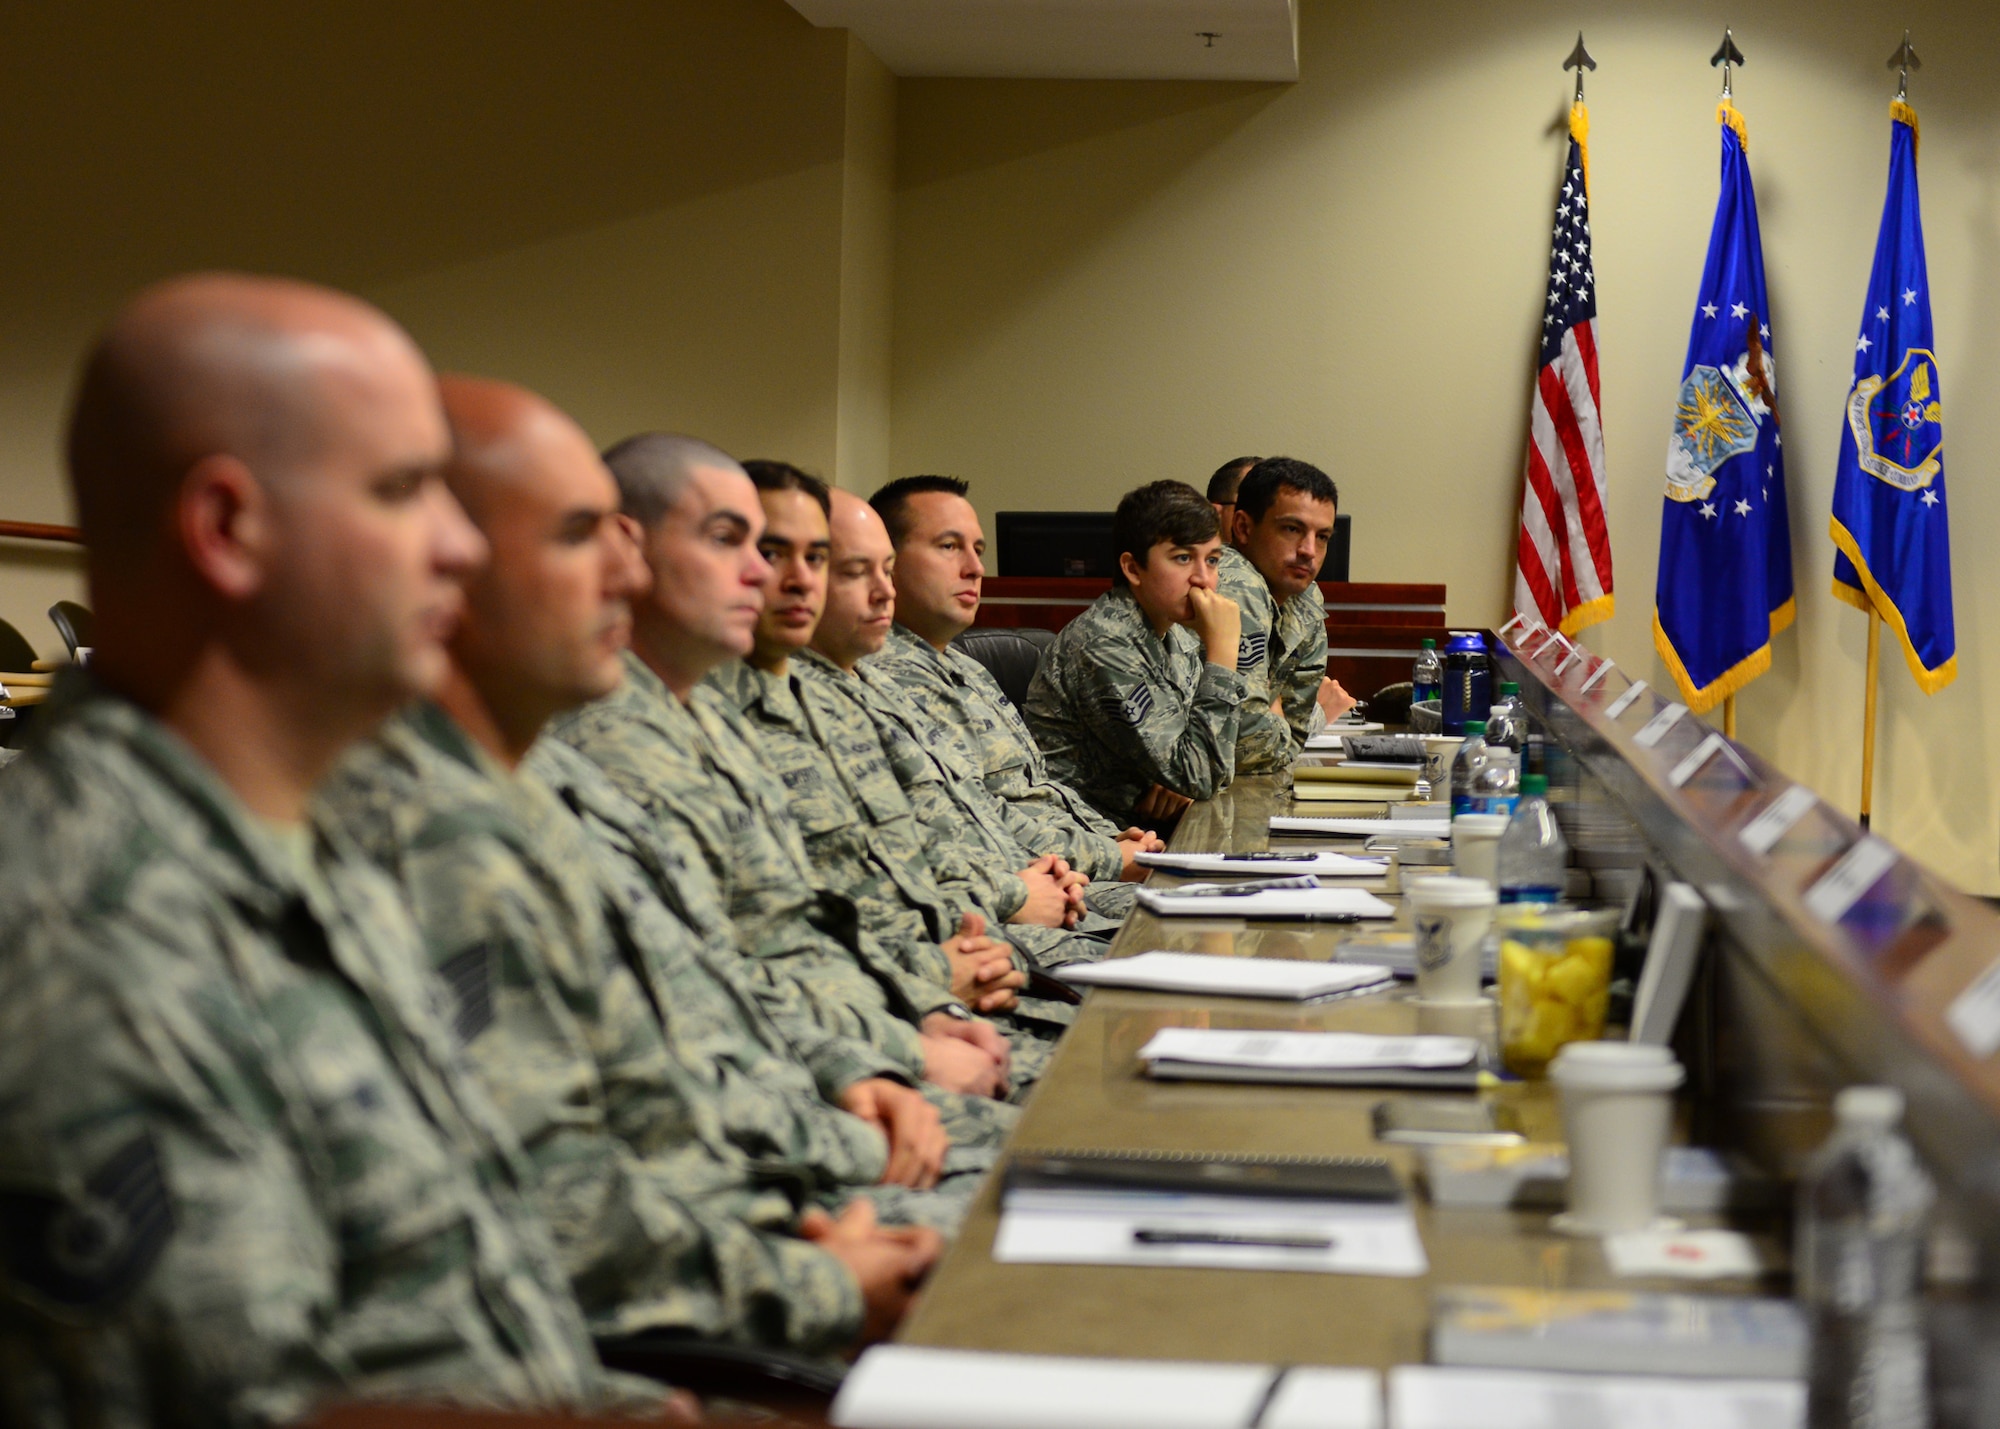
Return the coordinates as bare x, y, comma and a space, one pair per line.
1010, 655
1390, 704
17, 656
75, 624
790, 1388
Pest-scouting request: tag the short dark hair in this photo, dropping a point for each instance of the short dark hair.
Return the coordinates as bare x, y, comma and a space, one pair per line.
1262, 482
654, 468
892, 501
767, 475
1222, 486
1170, 511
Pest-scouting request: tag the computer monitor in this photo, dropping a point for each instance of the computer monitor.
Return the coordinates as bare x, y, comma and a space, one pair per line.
1078, 543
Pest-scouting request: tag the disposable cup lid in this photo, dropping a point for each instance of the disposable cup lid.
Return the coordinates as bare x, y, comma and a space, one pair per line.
1616, 1067
1480, 825
1449, 891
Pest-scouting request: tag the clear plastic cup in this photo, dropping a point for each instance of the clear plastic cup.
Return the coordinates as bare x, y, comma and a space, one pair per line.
1555, 980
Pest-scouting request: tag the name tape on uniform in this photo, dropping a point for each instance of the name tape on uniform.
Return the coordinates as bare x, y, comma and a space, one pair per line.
1841, 887
1762, 833
1655, 729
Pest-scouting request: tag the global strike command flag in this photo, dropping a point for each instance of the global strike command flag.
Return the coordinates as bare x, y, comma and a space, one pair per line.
1725, 542
1562, 575
1888, 496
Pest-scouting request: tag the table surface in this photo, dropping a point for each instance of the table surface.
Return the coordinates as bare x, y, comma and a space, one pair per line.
1094, 1096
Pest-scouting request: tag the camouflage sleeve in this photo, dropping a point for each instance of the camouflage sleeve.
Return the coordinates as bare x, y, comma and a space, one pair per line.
647, 1213
1299, 681
1264, 743
1186, 744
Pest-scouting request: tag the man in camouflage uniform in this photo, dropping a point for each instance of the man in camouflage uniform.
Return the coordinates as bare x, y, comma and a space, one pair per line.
663, 1224
858, 824
1283, 521
1137, 703
242, 1169
685, 755
965, 822
939, 549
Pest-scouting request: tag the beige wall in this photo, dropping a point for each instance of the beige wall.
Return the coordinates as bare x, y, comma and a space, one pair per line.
660, 212
1098, 284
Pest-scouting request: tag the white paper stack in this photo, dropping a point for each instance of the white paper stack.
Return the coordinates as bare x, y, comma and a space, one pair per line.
1267, 903
1319, 865
911, 1387
1363, 828
1433, 1397
1281, 978
1339, 1059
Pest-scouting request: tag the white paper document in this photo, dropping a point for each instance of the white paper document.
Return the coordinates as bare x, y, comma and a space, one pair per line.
1320, 865
1039, 1227
1684, 1255
1363, 828
1267, 903
913, 1387
1230, 977
1303, 1051
1437, 1397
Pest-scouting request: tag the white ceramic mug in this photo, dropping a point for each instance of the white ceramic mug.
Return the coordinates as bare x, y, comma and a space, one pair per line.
1617, 1107
1451, 917
1475, 846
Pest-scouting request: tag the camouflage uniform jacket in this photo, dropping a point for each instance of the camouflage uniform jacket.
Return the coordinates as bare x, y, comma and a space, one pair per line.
958, 688
857, 826
1118, 709
766, 1098
964, 818
695, 764
661, 1222
241, 1163
1282, 655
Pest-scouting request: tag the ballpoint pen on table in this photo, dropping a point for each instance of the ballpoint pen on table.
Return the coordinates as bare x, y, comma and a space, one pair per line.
1150, 1235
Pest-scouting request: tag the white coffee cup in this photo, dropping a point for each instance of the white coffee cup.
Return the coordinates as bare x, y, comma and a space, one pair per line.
1451, 917
1617, 1106
1475, 846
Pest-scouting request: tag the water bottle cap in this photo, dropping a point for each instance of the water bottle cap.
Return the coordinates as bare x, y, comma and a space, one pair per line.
1428, 645
1532, 784
1509, 687
1475, 726
1868, 1106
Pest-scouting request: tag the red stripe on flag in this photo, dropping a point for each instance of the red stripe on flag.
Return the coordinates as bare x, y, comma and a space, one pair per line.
1547, 608
1586, 348
1590, 501
1543, 483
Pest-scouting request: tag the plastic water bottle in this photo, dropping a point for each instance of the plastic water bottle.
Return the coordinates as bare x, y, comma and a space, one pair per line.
1507, 721
1863, 1202
1496, 783
1471, 752
1533, 860
1468, 682
1427, 680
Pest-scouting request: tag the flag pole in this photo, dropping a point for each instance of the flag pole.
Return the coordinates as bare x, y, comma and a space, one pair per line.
1868, 717
1729, 715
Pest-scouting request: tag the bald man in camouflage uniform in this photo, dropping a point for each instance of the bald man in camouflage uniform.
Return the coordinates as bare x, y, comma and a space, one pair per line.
242, 1168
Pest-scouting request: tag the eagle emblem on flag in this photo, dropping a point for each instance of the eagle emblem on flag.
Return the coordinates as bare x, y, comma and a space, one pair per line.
1898, 423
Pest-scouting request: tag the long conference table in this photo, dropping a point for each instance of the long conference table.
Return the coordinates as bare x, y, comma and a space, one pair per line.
1095, 1096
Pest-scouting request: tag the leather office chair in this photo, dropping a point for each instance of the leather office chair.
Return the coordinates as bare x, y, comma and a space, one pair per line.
75, 624
1391, 704
16, 654
1010, 655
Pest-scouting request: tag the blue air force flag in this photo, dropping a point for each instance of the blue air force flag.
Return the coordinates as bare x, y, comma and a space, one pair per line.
1889, 509
1725, 586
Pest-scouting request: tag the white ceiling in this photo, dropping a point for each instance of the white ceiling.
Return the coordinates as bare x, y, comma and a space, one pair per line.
1072, 39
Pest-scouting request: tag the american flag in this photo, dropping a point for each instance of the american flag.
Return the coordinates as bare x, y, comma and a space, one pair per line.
1564, 574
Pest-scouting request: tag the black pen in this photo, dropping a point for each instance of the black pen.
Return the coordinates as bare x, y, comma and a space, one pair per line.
1147, 1235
